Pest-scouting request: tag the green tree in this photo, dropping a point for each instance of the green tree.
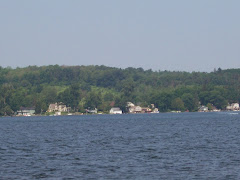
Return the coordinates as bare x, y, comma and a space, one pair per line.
162, 100
7, 111
93, 100
40, 107
190, 102
49, 94
178, 104
217, 100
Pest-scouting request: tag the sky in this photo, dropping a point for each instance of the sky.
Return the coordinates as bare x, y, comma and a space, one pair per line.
161, 35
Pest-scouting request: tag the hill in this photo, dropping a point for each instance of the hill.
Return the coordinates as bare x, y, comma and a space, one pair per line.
84, 87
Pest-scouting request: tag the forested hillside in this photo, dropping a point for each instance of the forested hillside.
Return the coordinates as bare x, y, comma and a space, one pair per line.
102, 87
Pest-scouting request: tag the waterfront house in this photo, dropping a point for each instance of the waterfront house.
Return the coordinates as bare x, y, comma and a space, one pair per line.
138, 109
131, 109
115, 110
53, 107
135, 109
233, 107
146, 110
203, 109
26, 111
91, 111
58, 107
155, 110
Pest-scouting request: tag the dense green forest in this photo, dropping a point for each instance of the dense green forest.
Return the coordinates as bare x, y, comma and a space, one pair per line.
102, 87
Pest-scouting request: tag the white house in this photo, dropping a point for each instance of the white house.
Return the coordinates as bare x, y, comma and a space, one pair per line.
203, 109
26, 111
130, 104
92, 111
233, 107
115, 110
155, 110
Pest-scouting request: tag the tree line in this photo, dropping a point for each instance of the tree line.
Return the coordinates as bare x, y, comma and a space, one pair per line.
101, 87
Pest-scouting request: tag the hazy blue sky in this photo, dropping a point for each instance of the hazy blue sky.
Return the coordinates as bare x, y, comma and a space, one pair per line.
185, 35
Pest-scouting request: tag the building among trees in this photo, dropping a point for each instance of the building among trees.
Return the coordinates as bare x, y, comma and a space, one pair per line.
115, 110
58, 107
26, 111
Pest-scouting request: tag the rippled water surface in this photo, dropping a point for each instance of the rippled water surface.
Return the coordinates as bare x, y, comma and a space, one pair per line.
141, 146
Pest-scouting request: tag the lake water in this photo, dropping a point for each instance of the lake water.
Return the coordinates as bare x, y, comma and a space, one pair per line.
139, 146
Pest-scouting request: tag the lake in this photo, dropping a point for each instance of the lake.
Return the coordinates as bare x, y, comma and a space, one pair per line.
129, 146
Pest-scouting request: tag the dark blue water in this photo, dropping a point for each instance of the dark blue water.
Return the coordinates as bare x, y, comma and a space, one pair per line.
141, 146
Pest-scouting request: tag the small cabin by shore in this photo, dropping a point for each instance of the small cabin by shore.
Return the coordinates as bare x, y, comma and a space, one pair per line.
115, 110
